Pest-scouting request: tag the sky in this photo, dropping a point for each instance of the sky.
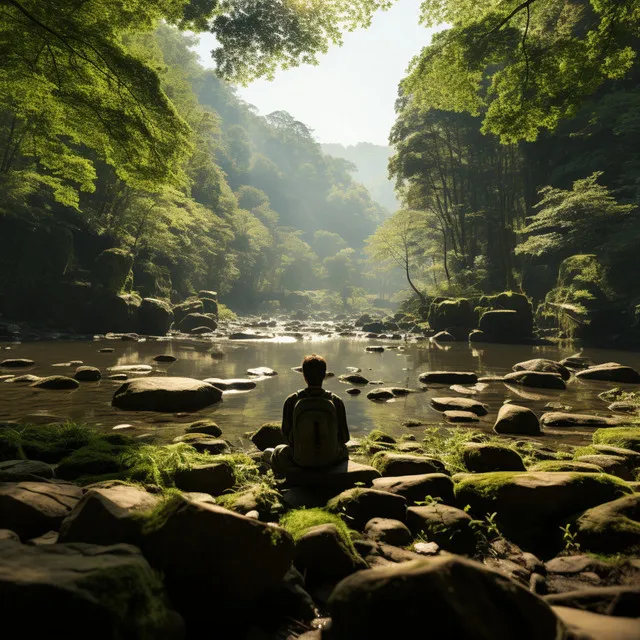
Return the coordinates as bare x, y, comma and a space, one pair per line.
349, 97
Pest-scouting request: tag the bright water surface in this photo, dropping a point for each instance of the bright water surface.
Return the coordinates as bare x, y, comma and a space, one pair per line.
240, 412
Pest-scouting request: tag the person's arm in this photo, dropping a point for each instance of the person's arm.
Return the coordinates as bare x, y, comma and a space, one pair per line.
287, 418
343, 429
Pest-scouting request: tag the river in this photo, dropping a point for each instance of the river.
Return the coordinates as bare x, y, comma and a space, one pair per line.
240, 412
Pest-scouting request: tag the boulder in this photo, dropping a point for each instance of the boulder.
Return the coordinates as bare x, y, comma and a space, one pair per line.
353, 378
449, 527
482, 458
354, 391
373, 327
361, 505
631, 457
531, 506
202, 549
460, 404
610, 528
593, 626
154, 317
25, 470
504, 325
374, 349
561, 419
624, 406
28, 378
181, 311
516, 420
165, 394
565, 465
194, 321
106, 515
456, 416
112, 268
33, 508
131, 368
448, 377
58, 383
543, 365
214, 478
210, 306
203, 443
536, 379
455, 597
611, 372
7, 534
87, 374
17, 363
416, 488
388, 531
268, 436
76, 591
404, 464
237, 384
448, 313
322, 553
381, 394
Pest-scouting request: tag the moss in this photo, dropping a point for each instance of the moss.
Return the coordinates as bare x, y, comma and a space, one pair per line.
451, 312
377, 435
10, 447
112, 268
134, 595
95, 459
447, 445
624, 437
155, 518
53, 442
509, 300
225, 314
565, 465
299, 521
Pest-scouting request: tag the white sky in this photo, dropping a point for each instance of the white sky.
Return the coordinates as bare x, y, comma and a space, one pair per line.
349, 97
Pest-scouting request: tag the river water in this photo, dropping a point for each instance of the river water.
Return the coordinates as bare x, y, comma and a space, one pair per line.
240, 412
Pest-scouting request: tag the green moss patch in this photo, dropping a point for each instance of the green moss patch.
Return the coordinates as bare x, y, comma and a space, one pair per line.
299, 521
624, 437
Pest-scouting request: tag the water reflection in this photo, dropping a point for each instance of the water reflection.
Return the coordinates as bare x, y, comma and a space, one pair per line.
399, 365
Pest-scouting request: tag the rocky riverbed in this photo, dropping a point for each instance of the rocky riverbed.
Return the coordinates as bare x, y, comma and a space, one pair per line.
491, 492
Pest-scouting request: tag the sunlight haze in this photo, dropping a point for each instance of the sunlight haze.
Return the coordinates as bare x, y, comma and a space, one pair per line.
349, 97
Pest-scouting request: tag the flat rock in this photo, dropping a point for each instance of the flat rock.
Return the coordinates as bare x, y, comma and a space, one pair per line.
246, 335
131, 368
17, 363
449, 527
24, 379
213, 479
165, 357
544, 365
536, 379
268, 436
448, 377
24, 470
205, 426
456, 416
611, 372
63, 590
585, 624
402, 464
238, 384
165, 394
621, 600
374, 349
416, 488
614, 465
203, 443
33, 508
339, 477
459, 404
353, 378
353, 391
261, 371
389, 531
61, 383
360, 505
560, 419
106, 514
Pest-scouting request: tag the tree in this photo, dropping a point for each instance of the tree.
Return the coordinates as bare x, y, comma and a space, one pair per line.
524, 65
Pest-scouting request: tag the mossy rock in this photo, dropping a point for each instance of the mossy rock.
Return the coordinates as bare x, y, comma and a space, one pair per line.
377, 435
96, 459
565, 465
112, 268
623, 437
448, 313
361, 505
53, 442
10, 448
530, 506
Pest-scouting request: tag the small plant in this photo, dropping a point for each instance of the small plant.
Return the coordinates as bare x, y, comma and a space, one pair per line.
571, 545
486, 532
429, 501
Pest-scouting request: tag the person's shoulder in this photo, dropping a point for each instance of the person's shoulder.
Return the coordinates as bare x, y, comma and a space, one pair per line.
334, 396
293, 396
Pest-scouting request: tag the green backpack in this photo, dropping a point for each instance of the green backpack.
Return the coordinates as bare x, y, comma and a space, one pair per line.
315, 431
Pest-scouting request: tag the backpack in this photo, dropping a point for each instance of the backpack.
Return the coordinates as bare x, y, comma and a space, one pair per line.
315, 431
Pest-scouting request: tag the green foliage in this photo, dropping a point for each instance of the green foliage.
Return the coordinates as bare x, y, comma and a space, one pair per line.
625, 437
569, 538
486, 531
523, 65
225, 314
447, 445
298, 521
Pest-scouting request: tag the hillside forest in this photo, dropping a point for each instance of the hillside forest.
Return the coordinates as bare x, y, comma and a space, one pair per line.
129, 169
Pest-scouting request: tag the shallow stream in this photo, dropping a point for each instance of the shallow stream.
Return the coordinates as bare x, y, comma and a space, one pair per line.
240, 412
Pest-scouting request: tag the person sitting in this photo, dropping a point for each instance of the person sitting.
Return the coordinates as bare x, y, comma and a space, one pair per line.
314, 424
